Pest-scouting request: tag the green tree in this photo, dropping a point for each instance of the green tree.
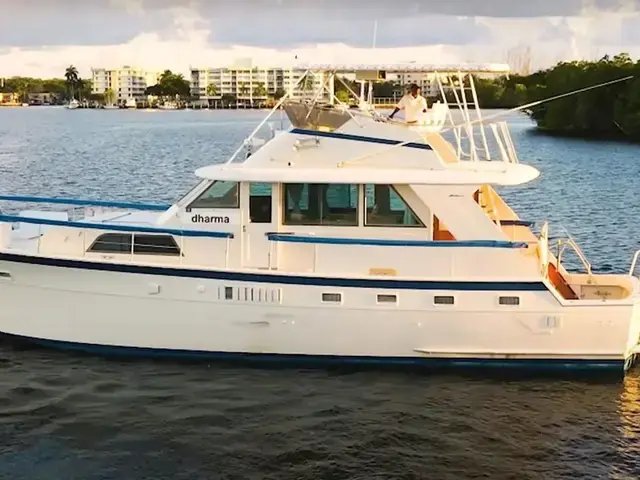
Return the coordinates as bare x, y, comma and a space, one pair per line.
610, 111
243, 89
212, 90
343, 96
71, 76
109, 96
228, 99
170, 85
259, 91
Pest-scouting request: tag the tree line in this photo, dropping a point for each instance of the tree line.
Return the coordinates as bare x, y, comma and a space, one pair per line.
611, 111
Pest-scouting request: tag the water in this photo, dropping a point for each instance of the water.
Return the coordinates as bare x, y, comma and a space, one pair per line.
80, 417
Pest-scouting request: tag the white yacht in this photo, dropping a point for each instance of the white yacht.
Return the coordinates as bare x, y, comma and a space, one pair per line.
73, 104
346, 238
168, 106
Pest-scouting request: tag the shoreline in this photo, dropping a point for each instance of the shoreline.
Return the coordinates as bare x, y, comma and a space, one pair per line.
587, 135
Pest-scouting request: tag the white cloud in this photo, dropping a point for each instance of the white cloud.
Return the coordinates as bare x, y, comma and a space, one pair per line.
187, 40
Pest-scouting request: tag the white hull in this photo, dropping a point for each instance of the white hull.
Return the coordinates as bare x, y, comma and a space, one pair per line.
93, 308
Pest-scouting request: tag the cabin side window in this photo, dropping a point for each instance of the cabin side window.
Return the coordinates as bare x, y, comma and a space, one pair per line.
386, 208
320, 204
155, 245
111, 243
221, 194
143, 244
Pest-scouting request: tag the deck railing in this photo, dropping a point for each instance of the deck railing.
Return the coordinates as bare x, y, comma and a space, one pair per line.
107, 226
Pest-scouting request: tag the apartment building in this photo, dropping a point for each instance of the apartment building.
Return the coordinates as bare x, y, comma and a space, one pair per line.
427, 83
248, 82
126, 82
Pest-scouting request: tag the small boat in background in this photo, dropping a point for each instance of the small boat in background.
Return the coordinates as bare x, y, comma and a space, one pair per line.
73, 104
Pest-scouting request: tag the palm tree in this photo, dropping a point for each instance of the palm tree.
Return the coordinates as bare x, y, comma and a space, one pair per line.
23, 90
71, 74
259, 90
211, 90
109, 96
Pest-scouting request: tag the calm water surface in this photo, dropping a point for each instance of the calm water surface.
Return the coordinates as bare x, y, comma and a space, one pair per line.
69, 416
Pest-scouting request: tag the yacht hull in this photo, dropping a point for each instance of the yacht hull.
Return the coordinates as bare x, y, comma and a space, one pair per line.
127, 309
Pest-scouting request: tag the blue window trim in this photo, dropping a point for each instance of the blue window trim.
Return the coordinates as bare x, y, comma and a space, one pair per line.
360, 138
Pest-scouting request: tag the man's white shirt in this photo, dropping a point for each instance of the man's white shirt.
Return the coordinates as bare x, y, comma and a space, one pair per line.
412, 107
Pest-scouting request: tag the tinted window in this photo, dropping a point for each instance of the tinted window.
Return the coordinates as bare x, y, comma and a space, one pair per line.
112, 243
219, 195
155, 245
386, 208
260, 202
320, 204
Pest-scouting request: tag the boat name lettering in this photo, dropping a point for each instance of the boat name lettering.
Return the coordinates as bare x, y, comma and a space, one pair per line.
197, 218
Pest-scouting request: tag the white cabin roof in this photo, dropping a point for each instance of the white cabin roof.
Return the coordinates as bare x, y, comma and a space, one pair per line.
467, 173
364, 151
496, 68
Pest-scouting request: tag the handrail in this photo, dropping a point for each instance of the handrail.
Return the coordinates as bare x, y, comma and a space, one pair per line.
85, 203
562, 244
633, 262
113, 227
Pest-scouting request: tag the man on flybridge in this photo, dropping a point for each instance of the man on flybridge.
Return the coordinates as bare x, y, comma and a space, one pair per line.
413, 104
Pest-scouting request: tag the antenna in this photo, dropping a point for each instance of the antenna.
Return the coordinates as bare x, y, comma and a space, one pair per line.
373, 46
375, 33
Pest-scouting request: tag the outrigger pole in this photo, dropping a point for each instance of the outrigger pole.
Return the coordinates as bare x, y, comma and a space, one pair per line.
492, 117
538, 102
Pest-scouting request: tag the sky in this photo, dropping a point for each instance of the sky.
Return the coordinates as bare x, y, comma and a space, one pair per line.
42, 37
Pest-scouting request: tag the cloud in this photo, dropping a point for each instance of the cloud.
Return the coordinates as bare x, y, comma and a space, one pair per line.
159, 34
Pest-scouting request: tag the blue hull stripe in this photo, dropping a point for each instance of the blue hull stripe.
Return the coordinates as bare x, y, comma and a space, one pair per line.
383, 242
360, 138
320, 360
379, 283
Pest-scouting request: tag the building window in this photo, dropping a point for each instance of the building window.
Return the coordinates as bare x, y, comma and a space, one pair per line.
220, 194
320, 204
513, 301
332, 297
443, 300
112, 243
155, 245
386, 208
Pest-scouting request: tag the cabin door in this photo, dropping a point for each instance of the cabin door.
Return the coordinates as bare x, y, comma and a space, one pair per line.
260, 221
